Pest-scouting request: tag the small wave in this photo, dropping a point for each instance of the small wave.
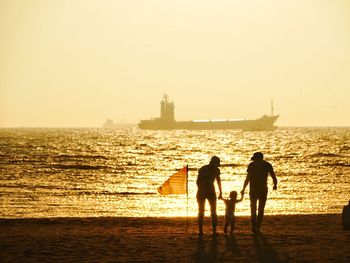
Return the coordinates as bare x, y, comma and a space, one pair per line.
333, 155
287, 156
80, 191
221, 166
78, 166
81, 156
34, 187
345, 148
337, 164
134, 193
83, 192
230, 165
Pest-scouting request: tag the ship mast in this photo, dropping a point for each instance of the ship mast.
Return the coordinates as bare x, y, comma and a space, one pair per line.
167, 110
272, 108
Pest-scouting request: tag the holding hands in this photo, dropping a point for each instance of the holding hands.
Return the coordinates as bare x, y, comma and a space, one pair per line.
220, 196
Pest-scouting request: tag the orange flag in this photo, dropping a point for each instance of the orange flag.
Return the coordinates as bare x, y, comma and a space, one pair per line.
176, 184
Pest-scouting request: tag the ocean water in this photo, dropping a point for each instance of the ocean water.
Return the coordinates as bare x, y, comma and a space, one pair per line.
98, 172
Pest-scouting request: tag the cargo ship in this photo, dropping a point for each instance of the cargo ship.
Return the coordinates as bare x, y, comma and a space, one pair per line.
167, 121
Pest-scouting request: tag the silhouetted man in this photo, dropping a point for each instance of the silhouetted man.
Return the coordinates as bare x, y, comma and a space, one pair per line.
206, 190
258, 171
346, 217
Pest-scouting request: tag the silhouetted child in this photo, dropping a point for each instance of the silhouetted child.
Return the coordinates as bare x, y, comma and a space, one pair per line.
230, 210
346, 217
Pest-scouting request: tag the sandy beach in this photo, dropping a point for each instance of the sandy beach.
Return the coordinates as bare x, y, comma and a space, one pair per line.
285, 238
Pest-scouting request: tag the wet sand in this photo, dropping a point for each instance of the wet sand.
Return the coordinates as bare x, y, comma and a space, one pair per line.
285, 238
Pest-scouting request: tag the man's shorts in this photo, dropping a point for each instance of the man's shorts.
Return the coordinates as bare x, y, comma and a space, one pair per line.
201, 196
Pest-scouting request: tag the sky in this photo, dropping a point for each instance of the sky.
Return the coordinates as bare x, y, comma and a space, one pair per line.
75, 63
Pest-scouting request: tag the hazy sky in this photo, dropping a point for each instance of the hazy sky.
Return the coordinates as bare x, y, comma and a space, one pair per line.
78, 62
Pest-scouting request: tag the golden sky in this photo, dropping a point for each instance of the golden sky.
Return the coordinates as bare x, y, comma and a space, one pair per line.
78, 62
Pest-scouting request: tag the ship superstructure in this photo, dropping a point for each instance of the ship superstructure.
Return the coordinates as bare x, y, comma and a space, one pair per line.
167, 121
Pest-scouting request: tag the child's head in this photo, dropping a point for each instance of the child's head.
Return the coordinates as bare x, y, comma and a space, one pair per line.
233, 195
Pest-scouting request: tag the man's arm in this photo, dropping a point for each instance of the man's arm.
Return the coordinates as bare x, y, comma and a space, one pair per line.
272, 173
218, 180
246, 181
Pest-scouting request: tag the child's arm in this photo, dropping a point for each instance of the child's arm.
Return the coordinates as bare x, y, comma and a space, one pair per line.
223, 199
241, 199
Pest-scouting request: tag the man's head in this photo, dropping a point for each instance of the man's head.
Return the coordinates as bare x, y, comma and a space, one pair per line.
258, 156
215, 161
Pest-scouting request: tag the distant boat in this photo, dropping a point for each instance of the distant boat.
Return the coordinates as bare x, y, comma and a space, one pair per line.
110, 124
167, 121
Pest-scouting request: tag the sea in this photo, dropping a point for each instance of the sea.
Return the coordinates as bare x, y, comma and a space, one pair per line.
94, 172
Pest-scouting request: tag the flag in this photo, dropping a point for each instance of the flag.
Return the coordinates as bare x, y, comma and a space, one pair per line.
176, 184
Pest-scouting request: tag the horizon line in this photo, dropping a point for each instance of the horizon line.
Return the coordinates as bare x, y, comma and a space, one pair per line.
135, 124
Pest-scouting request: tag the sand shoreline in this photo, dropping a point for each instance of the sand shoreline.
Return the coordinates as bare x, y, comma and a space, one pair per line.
285, 238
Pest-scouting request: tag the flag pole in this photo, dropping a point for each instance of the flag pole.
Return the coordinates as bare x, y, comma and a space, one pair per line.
186, 198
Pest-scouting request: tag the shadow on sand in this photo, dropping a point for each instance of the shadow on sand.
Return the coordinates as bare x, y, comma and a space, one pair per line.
207, 256
217, 250
227, 250
264, 250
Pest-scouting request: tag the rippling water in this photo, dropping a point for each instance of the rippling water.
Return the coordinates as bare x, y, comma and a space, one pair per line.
97, 172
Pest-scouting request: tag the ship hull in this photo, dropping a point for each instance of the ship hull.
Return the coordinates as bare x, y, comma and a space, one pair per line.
263, 123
